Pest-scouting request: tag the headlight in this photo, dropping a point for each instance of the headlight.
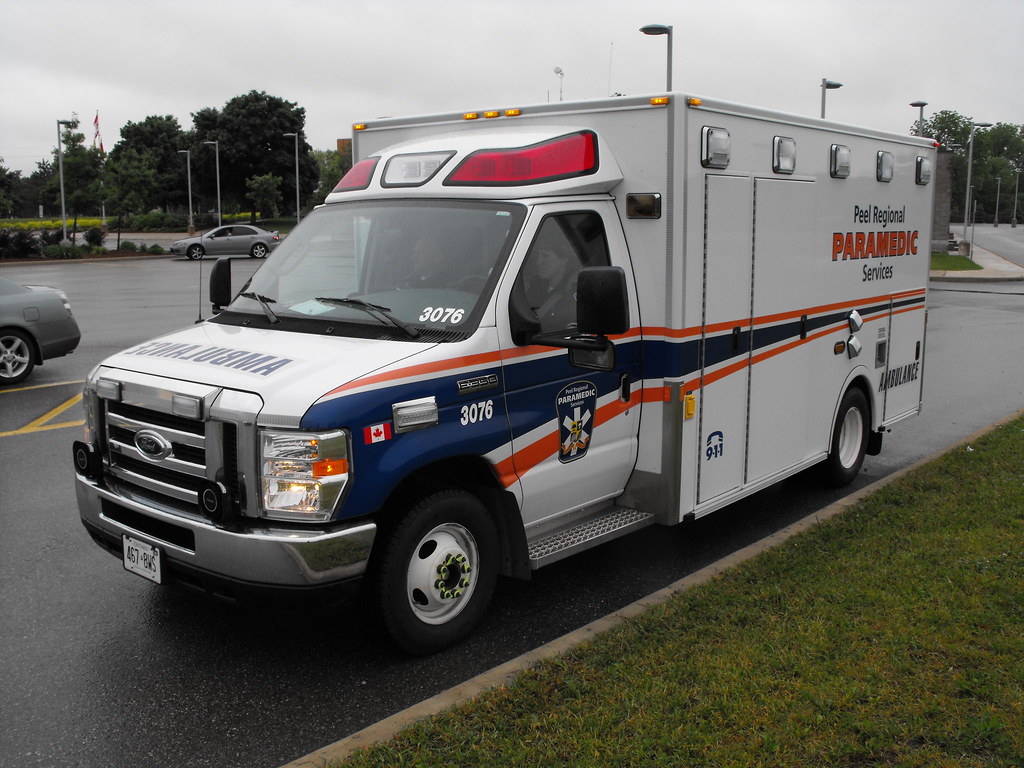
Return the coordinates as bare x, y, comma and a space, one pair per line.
303, 474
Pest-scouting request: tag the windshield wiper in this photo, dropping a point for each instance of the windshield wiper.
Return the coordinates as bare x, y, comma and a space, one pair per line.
264, 303
374, 309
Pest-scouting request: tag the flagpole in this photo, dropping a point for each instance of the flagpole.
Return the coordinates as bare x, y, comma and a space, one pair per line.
103, 195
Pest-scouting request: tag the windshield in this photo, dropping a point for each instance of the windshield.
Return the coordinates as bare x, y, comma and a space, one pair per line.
383, 269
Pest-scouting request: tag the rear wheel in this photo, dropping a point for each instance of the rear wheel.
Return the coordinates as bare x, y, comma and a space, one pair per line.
437, 572
258, 251
195, 252
849, 438
16, 358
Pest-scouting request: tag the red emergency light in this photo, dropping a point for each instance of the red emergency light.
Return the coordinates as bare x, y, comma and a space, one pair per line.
565, 157
359, 175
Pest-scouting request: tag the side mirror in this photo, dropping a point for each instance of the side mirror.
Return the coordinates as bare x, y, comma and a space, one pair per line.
220, 284
602, 301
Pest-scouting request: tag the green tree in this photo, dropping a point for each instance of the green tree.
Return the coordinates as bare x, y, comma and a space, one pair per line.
333, 165
83, 167
8, 181
265, 193
160, 138
131, 181
998, 154
31, 192
250, 129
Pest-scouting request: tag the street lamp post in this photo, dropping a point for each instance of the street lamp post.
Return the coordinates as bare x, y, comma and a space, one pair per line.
1016, 188
60, 171
298, 214
663, 29
999, 183
920, 120
560, 74
827, 85
216, 159
188, 166
970, 160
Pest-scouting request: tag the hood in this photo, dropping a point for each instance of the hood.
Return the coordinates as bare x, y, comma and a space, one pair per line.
289, 371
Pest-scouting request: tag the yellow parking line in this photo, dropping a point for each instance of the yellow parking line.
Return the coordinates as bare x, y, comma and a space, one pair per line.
41, 425
41, 386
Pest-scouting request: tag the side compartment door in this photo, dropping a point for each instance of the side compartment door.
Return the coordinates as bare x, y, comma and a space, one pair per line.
901, 381
574, 431
726, 335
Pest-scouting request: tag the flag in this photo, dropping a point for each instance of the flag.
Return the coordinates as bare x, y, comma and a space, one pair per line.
377, 433
96, 138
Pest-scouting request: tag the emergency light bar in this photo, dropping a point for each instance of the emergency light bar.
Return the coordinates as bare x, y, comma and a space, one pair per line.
565, 157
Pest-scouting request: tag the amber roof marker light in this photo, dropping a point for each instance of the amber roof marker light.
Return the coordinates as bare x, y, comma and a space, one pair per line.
662, 29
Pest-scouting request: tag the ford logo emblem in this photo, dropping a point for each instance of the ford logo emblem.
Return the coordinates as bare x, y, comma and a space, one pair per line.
152, 445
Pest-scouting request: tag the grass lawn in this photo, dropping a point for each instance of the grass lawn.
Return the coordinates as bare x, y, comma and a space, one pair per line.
890, 635
952, 262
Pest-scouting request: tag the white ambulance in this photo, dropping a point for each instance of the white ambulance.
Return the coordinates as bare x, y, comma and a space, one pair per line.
509, 336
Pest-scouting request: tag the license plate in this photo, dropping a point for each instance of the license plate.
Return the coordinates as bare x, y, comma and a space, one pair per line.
141, 558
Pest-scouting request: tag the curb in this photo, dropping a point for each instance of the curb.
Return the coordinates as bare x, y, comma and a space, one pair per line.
505, 673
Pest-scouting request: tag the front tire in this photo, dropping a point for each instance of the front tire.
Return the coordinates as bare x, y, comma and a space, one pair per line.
849, 438
437, 572
195, 252
17, 357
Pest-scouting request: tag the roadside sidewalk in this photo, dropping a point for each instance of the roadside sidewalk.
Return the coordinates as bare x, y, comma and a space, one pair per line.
993, 269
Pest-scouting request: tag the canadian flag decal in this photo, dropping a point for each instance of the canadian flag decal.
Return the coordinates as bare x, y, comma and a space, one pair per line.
377, 433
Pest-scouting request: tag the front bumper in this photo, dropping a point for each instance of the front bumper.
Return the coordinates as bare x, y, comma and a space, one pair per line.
251, 560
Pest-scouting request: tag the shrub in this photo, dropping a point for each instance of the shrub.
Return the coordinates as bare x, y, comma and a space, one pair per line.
18, 244
64, 251
156, 221
94, 236
128, 245
155, 249
50, 236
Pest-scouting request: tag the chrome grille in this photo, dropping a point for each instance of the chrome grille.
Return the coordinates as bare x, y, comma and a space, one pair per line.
173, 479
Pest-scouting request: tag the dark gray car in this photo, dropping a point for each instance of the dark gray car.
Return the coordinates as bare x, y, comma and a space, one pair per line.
36, 324
229, 240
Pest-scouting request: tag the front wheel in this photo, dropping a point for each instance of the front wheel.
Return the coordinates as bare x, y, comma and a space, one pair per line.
849, 438
195, 252
437, 572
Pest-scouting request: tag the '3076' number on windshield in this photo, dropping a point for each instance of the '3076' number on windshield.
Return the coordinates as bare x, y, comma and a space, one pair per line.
442, 315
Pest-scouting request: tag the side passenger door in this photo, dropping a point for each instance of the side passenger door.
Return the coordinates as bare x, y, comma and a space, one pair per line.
574, 431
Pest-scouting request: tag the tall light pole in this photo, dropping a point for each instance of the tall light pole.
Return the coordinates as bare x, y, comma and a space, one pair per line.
216, 158
298, 214
1016, 188
920, 120
970, 161
60, 170
188, 166
662, 29
999, 183
561, 74
827, 85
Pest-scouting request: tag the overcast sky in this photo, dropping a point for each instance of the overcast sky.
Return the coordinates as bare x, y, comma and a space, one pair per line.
350, 60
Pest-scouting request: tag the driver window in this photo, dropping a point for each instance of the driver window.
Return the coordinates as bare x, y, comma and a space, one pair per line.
565, 243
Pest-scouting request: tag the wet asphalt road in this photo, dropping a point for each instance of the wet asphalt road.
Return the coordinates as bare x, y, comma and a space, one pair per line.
100, 668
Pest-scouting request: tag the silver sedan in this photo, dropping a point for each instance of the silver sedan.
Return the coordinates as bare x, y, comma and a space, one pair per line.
36, 324
229, 240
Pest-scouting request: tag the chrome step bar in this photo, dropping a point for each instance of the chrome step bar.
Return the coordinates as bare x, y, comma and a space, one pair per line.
588, 533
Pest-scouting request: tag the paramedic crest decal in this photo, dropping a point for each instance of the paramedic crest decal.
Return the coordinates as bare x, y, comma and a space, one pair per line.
575, 406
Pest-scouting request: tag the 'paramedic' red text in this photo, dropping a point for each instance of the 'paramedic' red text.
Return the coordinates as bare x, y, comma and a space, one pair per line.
872, 245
